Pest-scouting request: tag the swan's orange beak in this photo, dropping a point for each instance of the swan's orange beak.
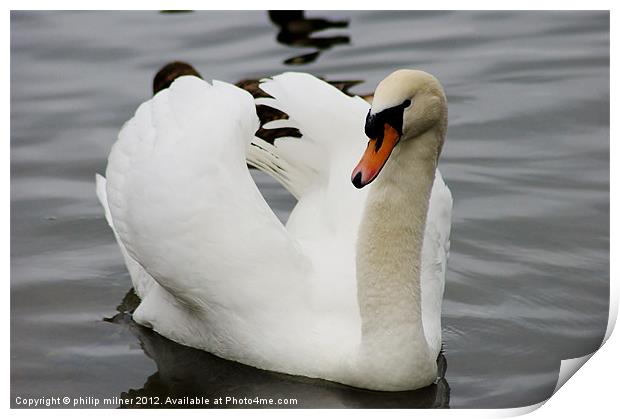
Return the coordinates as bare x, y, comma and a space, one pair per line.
377, 153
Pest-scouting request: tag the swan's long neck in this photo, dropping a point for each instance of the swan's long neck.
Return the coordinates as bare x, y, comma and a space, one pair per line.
389, 256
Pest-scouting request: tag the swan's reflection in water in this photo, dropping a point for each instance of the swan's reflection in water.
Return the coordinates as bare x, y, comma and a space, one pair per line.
296, 30
186, 372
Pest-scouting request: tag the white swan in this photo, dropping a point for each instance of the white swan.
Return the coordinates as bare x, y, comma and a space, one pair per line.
351, 289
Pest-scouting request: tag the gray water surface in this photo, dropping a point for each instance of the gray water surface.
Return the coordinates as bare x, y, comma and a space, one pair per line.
527, 160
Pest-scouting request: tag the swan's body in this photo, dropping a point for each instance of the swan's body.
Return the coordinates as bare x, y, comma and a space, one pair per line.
216, 270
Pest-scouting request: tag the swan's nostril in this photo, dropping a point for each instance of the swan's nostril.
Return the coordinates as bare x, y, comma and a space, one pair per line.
357, 180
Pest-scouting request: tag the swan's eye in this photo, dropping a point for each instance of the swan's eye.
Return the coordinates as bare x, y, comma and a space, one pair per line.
373, 127
392, 116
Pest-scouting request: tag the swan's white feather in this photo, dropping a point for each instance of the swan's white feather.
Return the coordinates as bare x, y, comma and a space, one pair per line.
280, 123
142, 281
435, 251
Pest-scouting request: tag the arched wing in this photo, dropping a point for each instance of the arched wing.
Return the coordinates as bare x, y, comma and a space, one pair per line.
317, 167
185, 206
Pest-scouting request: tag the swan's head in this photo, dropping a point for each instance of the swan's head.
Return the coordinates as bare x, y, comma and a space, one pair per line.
406, 104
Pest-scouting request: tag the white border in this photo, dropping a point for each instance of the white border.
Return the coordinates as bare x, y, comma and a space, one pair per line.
592, 393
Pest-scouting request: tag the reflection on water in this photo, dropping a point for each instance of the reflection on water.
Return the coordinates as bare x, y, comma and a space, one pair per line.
186, 372
296, 30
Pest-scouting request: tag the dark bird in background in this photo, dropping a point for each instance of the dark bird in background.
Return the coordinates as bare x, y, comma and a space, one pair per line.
171, 71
